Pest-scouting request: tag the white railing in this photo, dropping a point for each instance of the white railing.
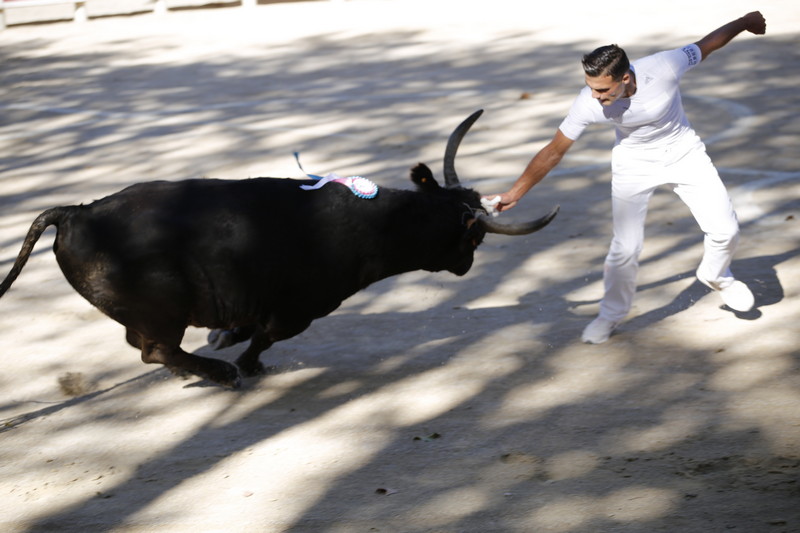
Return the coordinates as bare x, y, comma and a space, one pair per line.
79, 13
79, 8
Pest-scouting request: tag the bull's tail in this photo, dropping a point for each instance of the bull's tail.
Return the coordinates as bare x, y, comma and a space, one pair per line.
48, 218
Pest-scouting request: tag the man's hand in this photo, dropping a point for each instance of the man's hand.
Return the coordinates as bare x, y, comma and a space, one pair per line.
500, 202
755, 23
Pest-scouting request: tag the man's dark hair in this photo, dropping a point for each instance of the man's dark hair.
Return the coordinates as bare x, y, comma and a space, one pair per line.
609, 60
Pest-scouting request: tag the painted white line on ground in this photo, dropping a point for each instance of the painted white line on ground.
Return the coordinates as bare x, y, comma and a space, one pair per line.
744, 119
743, 197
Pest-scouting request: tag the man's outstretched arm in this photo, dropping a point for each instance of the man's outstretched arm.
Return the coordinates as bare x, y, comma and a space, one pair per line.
538, 167
753, 22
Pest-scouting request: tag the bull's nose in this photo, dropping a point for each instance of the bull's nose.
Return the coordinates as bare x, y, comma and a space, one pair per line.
462, 268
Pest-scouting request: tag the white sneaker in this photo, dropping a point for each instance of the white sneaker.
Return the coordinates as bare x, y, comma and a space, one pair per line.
598, 331
736, 295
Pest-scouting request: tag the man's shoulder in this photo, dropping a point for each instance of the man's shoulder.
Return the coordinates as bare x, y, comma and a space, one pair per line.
683, 57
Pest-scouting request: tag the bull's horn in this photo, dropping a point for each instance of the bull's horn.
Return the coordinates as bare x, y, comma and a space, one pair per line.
491, 225
450, 176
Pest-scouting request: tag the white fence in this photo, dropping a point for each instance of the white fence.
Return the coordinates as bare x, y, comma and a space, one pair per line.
32, 11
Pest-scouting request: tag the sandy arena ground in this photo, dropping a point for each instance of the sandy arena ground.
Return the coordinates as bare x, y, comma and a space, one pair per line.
428, 402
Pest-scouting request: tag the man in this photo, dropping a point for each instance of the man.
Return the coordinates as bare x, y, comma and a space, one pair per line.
655, 146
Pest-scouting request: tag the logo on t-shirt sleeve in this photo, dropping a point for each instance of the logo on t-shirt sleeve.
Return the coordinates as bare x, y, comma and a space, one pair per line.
692, 54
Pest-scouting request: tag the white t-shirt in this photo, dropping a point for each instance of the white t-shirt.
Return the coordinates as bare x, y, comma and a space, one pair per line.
653, 115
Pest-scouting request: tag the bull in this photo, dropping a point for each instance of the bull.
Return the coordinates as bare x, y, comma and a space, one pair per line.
260, 254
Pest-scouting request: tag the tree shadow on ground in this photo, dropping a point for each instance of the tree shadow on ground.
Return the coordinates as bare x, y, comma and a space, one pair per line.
503, 459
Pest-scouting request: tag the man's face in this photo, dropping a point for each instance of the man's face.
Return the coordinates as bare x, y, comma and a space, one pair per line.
607, 91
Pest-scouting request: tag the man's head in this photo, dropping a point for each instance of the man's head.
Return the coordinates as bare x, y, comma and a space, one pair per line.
608, 74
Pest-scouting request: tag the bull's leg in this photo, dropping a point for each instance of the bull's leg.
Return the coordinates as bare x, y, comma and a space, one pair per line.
277, 328
173, 357
249, 362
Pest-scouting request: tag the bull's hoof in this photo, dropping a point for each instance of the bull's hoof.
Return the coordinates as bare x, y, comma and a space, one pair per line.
220, 338
233, 384
219, 372
227, 375
223, 338
178, 372
250, 370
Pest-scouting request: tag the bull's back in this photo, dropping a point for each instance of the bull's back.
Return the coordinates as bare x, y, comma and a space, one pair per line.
216, 251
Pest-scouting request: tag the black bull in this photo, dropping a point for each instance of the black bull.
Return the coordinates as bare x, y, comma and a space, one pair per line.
261, 253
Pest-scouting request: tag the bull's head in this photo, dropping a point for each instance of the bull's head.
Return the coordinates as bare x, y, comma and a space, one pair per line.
475, 220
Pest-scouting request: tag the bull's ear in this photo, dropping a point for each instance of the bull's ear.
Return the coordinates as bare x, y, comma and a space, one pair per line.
423, 178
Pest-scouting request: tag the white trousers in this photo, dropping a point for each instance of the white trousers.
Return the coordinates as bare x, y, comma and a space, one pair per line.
636, 173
